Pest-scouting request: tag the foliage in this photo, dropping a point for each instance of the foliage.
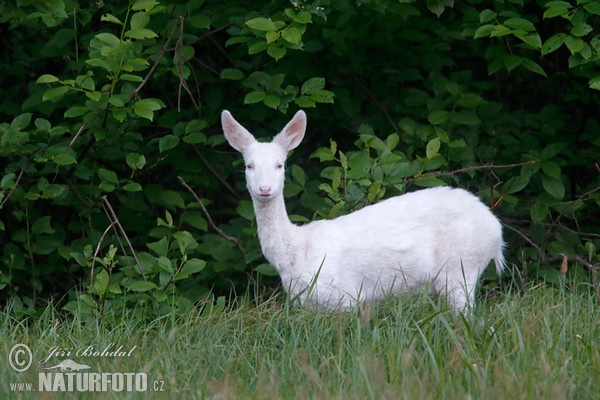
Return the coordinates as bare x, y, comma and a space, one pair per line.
117, 189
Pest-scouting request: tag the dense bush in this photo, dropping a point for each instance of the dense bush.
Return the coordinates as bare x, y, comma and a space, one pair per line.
118, 191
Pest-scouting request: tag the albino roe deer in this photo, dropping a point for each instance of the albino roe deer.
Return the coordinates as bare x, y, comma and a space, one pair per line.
441, 238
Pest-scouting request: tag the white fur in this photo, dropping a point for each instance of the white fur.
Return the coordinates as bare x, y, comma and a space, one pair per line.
441, 237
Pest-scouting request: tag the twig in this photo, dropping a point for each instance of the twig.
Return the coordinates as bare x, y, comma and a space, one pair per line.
98, 249
115, 220
210, 221
162, 51
526, 238
461, 170
215, 173
377, 103
13, 189
182, 82
81, 129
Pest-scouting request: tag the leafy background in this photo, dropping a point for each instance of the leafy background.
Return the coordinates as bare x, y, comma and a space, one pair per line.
119, 194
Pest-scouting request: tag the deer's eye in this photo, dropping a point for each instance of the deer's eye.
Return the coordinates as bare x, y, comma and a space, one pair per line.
249, 166
279, 165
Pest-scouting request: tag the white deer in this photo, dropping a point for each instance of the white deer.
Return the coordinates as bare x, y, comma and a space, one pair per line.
441, 238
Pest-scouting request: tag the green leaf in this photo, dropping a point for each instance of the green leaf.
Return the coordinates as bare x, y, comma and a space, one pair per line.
533, 67
594, 83
261, 24
292, 35
272, 101
438, 6
438, 117
141, 286
42, 226
551, 168
111, 18
160, 247
303, 17
233, 74
322, 96
75, 111
200, 21
574, 44
47, 78
429, 181
272, 36
581, 29
553, 43
486, 16
108, 176
98, 62
254, 97
140, 34
433, 147
515, 184
191, 266
167, 142
195, 219
266, 269
275, 51
53, 191
593, 7
132, 187
500, 30
135, 161
146, 5
172, 198
145, 108
470, 100
61, 155
139, 20
520, 24
553, 186
245, 210
54, 93
21, 121
257, 47
109, 39
312, 85
556, 8
511, 62
304, 102
483, 31
101, 282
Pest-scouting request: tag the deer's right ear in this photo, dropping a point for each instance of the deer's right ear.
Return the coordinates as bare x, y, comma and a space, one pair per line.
238, 137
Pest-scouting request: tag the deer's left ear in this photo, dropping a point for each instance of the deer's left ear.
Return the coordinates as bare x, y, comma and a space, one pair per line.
292, 134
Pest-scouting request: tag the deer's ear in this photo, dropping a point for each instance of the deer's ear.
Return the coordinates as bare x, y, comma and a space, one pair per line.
238, 137
293, 133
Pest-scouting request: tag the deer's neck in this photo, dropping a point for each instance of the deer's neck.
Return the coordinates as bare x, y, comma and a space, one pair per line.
280, 240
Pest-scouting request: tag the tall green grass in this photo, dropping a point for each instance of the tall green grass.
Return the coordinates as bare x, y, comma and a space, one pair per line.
532, 343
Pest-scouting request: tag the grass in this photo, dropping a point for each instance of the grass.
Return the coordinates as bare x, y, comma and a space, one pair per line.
538, 342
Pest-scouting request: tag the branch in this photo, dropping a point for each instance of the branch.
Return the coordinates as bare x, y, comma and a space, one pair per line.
115, 220
162, 52
13, 189
216, 174
180, 72
377, 103
97, 250
461, 170
236, 241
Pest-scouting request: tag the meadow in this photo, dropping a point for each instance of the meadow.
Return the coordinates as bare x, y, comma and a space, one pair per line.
529, 342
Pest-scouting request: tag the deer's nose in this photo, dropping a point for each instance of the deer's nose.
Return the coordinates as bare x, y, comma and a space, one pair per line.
264, 190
